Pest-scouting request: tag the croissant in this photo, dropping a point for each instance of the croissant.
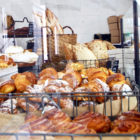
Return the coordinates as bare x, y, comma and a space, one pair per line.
49, 73
22, 80
7, 87
95, 121
117, 78
98, 74
73, 78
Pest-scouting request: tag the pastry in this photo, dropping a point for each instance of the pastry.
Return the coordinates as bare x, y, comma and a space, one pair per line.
73, 78
14, 50
60, 75
26, 105
21, 82
26, 57
128, 122
117, 78
64, 102
87, 103
71, 67
6, 61
82, 93
9, 106
95, 121
52, 22
101, 88
98, 74
49, 73
75, 128
53, 86
31, 76
98, 48
7, 87
124, 89
54, 120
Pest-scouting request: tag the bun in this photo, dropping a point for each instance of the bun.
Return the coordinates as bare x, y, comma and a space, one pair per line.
95, 121
117, 78
74, 79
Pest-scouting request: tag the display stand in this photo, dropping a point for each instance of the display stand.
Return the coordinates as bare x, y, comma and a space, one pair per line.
136, 42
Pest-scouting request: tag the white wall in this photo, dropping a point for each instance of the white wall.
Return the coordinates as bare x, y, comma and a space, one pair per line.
86, 17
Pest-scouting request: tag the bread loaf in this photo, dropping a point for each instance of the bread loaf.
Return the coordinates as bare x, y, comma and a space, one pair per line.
98, 48
52, 22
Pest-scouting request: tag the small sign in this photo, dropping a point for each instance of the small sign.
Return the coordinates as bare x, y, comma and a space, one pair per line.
31, 28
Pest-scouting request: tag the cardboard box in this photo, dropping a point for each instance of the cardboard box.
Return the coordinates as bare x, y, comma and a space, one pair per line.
115, 39
115, 33
113, 26
112, 19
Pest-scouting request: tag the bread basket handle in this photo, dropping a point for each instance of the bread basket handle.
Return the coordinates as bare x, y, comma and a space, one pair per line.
69, 28
48, 28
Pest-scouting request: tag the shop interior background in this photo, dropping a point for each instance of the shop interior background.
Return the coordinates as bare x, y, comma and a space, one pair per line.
86, 17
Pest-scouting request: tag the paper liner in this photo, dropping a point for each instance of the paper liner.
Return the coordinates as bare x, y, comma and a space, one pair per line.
116, 108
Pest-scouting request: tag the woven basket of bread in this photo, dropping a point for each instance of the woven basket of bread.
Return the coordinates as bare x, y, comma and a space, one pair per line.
55, 44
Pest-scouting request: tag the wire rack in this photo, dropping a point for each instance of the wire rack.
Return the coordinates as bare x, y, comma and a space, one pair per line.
60, 64
50, 96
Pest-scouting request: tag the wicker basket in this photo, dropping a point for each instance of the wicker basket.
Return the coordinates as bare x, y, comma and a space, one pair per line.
55, 44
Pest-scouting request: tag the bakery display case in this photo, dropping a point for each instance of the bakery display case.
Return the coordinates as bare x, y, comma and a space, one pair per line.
75, 92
